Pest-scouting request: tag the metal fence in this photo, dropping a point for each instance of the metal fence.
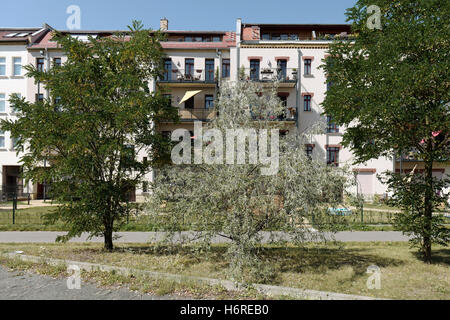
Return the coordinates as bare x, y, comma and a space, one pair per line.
11, 192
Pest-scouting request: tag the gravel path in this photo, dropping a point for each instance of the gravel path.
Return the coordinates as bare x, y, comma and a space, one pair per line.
25, 286
144, 237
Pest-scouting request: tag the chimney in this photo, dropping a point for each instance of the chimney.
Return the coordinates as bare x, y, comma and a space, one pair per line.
164, 24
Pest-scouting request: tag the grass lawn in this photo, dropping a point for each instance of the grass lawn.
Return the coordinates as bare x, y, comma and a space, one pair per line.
380, 206
326, 267
31, 219
27, 220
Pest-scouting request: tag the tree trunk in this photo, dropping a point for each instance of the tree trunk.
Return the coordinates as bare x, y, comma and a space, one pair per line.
428, 210
108, 234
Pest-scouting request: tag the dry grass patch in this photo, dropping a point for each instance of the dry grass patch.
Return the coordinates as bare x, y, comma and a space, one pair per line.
332, 267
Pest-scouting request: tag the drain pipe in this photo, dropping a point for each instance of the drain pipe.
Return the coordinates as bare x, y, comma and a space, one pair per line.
299, 87
238, 47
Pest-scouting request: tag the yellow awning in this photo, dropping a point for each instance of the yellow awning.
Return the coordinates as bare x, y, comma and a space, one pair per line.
189, 94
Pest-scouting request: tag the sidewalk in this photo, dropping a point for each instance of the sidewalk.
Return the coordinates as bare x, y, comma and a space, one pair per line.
150, 237
33, 204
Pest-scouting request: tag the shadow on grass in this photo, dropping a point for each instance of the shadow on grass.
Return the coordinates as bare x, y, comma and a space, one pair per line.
291, 259
438, 256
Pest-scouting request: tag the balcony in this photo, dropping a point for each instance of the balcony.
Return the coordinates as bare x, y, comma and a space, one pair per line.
290, 115
189, 78
196, 114
287, 77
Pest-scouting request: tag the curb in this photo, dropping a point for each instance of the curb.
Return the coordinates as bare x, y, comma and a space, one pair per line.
268, 290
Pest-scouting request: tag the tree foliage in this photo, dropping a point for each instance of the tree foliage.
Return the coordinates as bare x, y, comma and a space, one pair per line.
390, 88
237, 202
99, 116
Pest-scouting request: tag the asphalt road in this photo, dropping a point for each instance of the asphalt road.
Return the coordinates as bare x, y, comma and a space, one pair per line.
146, 237
25, 286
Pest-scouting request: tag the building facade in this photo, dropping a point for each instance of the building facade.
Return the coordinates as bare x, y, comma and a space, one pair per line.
196, 63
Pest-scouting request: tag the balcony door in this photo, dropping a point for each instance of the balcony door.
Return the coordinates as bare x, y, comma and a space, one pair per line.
282, 70
167, 70
254, 70
209, 70
189, 68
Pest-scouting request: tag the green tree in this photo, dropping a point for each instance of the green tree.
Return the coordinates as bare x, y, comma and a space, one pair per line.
390, 88
237, 201
101, 114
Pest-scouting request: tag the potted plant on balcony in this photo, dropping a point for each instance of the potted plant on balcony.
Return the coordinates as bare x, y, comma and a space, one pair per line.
266, 70
294, 73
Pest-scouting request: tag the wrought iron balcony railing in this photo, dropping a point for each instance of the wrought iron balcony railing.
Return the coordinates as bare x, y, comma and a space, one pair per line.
188, 75
270, 74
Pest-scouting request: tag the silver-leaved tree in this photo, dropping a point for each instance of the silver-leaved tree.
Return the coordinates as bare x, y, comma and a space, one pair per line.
275, 188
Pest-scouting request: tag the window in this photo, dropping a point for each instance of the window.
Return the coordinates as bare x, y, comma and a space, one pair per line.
40, 64
2, 66
198, 39
189, 104
189, 67
331, 126
307, 67
254, 70
209, 70
307, 103
217, 39
15, 95
283, 99
57, 62
17, 66
168, 97
2, 139
309, 150
293, 37
265, 36
333, 156
284, 37
39, 97
209, 101
329, 84
188, 39
167, 135
225, 68
145, 186
58, 106
276, 36
282, 70
2, 102
14, 142
167, 70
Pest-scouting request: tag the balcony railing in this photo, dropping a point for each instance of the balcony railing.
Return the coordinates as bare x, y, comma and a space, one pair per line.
197, 114
189, 75
289, 115
270, 74
201, 114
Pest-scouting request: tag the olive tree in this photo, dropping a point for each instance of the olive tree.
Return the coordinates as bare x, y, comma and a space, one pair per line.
236, 196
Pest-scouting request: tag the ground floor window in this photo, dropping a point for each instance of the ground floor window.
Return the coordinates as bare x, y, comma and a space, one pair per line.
2, 139
333, 156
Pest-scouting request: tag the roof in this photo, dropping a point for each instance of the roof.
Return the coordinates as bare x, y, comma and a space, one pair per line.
298, 24
26, 35
229, 40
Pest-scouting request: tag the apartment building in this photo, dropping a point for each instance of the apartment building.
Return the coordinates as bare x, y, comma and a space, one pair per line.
293, 54
196, 63
14, 55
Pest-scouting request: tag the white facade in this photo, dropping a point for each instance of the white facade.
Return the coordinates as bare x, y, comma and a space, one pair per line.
249, 46
314, 84
13, 81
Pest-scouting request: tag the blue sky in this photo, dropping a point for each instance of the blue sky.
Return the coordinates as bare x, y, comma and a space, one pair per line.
182, 15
